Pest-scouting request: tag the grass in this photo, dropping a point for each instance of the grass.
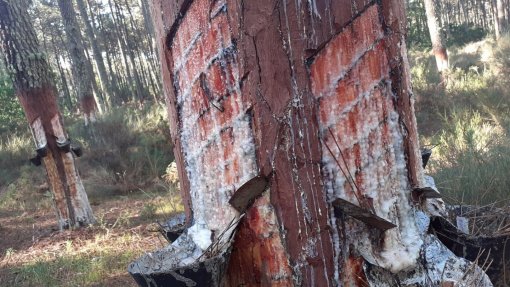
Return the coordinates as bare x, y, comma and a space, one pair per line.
473, 161
24, 193
74, 270
467, 121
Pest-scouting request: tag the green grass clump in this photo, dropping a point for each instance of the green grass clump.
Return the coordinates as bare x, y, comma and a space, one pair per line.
74, 269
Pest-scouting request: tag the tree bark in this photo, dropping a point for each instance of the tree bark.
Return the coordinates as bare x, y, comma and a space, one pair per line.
34, 87
436, 36
81, 67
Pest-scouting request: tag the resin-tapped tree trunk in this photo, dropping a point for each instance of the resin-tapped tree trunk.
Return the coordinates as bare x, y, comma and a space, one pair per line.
34, 87
293, 124
81, 67
436, 35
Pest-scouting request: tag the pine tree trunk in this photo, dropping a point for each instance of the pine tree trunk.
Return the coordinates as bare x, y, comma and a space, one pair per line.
484, 15
35, 90
150, 28
98, 57
507, 12
436, 36
64, 86
115, 80
500, 19
122, 49
63, 79
297, 115
127, 52
81, 67
463, 10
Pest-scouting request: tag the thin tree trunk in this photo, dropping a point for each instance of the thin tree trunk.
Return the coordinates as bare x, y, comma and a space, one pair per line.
68, 74
98, 91
494, 16
122, 49
98, 57
65, 86
144, 61
484, 15
507, 12
436, 36
35, 89
464, 11
82, 70
147, 17
150, 28
112, 73
114, 78
500, 16
124, 34
62, 75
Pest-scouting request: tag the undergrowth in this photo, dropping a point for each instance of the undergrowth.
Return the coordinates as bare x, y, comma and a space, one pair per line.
126, 149
466, 120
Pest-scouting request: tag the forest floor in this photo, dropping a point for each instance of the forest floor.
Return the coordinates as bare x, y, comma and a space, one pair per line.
34, 253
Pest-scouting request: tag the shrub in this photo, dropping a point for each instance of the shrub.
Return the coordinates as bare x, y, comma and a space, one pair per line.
126, 149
